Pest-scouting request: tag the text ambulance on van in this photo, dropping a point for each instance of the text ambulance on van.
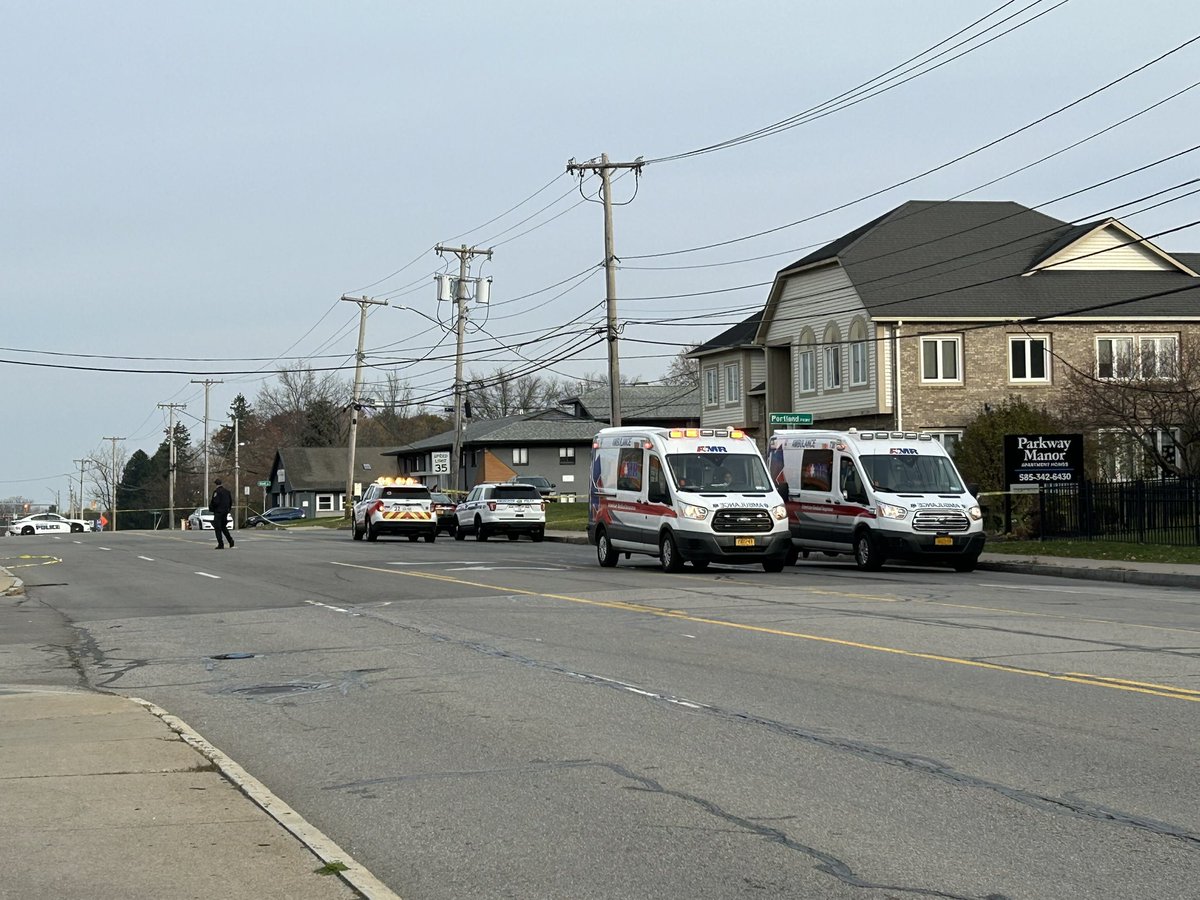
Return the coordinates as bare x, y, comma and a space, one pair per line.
684, 495
876, 495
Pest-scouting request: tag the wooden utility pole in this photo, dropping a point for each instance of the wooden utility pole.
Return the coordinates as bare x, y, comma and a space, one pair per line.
115, 478
465, 254
208, 383
170, 408
605, 167
355, 399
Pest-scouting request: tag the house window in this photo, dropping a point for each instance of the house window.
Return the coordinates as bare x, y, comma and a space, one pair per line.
1029, 358
948, 439
833, 358
940, 359
566, 456
733, 384
858, 354
712, 387
1127, 457
324, 502
806, 377
520, 456
1140, 356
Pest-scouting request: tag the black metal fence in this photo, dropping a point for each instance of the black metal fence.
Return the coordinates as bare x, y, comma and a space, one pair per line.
1146, 512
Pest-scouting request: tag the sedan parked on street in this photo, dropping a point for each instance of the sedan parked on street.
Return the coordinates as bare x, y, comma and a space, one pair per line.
276, 515
444, 507
201, 519
46, 523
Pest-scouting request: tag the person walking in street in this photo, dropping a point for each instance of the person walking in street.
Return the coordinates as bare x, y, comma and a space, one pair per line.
221, 504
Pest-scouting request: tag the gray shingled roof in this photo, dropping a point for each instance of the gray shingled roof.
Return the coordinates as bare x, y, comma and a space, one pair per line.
644, 401
324, 468
740, 335
965, 259
546, 426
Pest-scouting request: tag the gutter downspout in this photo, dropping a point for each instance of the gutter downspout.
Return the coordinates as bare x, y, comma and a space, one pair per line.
896, 375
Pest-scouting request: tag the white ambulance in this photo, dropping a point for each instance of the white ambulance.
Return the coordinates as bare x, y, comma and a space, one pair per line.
695, 495
875, 495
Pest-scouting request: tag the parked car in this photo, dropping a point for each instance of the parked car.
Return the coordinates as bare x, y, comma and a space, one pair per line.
276, 515
544, 486
509, 509
444, 507
395, 506
46, 523
201, 519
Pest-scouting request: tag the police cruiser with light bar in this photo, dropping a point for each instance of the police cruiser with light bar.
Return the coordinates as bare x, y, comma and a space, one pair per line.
697, 495
401, 506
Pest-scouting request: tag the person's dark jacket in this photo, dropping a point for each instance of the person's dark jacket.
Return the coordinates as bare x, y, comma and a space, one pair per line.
222, 501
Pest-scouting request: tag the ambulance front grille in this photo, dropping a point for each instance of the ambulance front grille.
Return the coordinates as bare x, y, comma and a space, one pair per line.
942, 520
741, 520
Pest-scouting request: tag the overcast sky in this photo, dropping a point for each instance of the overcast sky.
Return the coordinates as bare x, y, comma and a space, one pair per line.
205, 180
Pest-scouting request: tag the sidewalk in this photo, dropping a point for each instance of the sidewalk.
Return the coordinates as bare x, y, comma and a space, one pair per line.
110, 798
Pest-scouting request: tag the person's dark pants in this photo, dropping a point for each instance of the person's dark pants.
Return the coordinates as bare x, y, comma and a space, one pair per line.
221, 527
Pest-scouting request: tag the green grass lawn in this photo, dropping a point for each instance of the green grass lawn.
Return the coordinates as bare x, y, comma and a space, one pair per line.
566, 516
1098, 550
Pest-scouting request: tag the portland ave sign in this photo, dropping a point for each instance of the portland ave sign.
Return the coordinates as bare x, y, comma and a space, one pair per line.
790, 419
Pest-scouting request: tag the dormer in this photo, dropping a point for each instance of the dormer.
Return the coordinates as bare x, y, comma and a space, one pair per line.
1106, 246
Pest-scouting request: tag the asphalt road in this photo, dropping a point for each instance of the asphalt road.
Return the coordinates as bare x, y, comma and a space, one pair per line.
508, 720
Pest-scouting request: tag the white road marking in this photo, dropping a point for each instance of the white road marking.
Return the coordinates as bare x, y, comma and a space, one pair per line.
206, 575
1026, 587
334, 608
146, 558
76, 542
104, 548
625, 686
441, 562
505, 569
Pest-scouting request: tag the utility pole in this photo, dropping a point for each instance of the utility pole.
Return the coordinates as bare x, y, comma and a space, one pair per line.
170, 407
465, 254
80, 463
355, 402
237, 472
114, 477
604, 167
208, 383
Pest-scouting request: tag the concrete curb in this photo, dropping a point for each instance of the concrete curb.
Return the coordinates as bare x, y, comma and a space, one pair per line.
1099, 573
15, 586
357, 877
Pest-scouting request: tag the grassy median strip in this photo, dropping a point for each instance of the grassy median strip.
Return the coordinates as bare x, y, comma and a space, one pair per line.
1112, 550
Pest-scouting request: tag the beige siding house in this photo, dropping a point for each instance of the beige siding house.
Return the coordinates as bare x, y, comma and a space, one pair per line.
924, 316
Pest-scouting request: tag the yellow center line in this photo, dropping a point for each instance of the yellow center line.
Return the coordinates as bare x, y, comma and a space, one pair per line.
47, 561
1157, 690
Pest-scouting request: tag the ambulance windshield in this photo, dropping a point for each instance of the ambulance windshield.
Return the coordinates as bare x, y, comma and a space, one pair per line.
740, 473
912, 474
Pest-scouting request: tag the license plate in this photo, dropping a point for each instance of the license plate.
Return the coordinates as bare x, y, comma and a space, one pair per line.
744, 542
944, 541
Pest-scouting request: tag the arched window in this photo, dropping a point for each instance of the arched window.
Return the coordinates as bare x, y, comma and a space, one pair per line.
832, 357
806, 375
858, 353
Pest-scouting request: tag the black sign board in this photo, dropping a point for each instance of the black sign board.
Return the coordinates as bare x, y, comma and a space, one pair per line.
1031, 460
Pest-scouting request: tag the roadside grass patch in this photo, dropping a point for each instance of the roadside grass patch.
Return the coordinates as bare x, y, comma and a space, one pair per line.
332, 868
566, 516
1109, 550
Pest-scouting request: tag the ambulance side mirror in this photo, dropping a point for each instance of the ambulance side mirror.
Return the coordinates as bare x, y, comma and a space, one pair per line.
783, 491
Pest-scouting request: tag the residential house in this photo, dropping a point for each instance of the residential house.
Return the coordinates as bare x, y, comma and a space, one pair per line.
659, 405
922, 317
314, 478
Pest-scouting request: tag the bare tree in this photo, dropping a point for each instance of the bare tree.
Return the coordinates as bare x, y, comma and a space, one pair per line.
497, 394
682, 370
1151, 401
296, 389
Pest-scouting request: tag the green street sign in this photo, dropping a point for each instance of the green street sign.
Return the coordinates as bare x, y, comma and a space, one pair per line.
264, 484
791, 419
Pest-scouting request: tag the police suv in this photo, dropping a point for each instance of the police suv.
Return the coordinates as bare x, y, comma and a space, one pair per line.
395, 506
508, 509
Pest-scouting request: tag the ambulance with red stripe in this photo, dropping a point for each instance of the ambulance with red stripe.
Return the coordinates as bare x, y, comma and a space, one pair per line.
875, 495
684, 495
400, 506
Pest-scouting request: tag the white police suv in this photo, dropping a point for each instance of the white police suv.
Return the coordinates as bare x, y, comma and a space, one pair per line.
508, 509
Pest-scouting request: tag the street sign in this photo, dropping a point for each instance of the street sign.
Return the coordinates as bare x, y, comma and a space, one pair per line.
791, 419
441, 462
264, 484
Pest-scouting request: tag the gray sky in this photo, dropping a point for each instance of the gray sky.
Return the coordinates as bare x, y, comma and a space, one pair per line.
205, 180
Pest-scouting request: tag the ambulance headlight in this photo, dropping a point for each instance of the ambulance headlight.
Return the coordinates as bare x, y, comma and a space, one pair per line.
779, 512
892, 512
975, 513
695, 512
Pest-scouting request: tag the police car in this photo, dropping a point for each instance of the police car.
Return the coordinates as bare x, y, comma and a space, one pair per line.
395, 506
509, 509
47, 523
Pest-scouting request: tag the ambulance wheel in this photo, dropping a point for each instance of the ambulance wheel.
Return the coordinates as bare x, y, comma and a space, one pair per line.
668, 554
773, 565
605, 554
966, 564
699, 564
867, 555
792, 556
